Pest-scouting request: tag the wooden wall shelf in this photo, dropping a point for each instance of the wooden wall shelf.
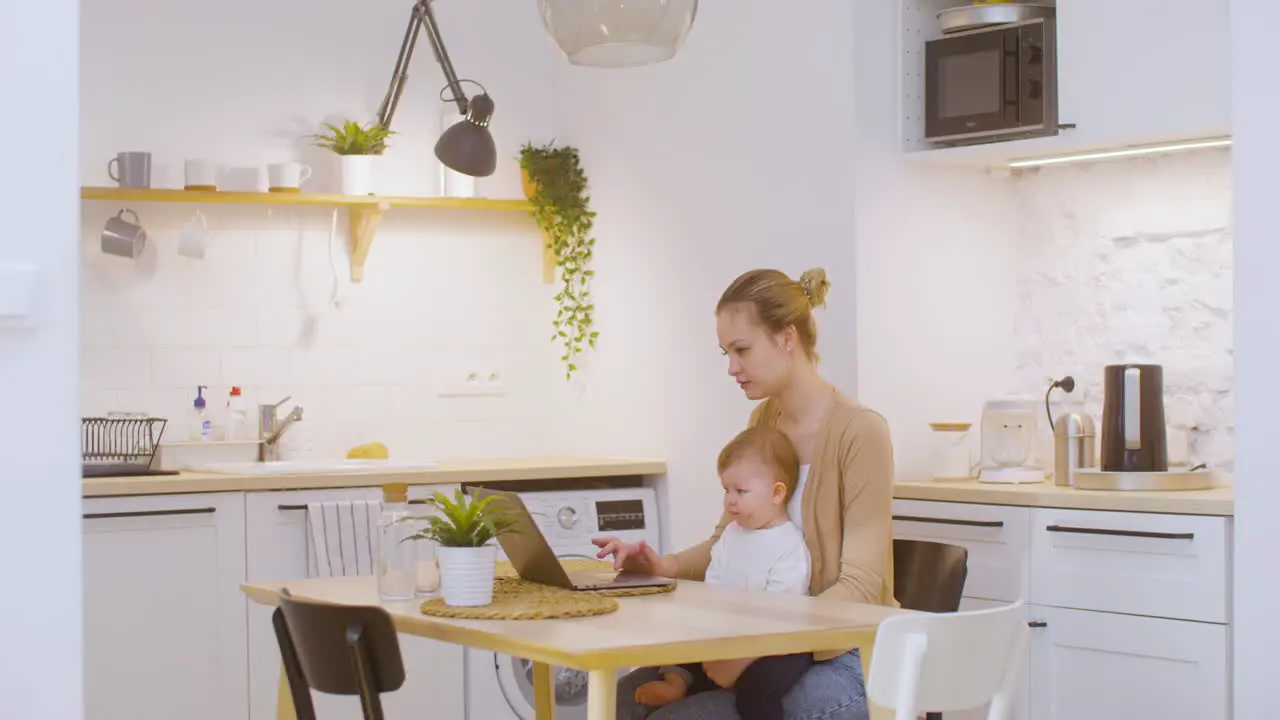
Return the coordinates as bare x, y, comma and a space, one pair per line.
365, 211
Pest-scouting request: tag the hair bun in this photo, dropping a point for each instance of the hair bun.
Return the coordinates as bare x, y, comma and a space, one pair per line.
814, 284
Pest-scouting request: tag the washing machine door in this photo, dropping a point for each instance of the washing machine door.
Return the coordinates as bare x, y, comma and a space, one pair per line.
515, 679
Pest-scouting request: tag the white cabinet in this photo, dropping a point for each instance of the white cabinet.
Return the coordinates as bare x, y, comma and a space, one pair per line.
276, 530
995, 536
1107, 666
1129, 611
1143, 71
1136, 72
164, 617
1170, 566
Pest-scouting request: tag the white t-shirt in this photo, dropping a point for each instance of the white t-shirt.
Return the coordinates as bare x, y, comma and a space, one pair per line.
793, 505
773, 559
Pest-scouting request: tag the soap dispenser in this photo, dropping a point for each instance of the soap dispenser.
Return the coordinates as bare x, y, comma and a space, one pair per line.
201, 423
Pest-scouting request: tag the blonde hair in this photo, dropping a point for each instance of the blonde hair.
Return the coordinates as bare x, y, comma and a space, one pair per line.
771, 447
780, 302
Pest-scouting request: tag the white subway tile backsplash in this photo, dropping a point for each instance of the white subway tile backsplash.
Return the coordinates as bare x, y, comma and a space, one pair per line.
186, 367
440, 289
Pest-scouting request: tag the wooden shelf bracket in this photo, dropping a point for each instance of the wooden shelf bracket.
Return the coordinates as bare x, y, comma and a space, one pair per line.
364, 225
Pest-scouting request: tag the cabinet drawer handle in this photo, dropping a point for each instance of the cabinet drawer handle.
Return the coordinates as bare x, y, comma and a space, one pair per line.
149, 513
1121, 533
950, 521
1037, 624
284, 508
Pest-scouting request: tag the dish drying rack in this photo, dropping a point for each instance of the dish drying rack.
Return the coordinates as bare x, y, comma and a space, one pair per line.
120, 444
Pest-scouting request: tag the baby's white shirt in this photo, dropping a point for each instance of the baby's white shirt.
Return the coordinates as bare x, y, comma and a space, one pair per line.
772, 559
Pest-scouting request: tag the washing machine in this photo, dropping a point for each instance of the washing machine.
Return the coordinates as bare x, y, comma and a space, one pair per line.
500, 687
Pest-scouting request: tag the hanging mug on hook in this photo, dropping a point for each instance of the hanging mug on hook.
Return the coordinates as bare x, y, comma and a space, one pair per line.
194, 238
122, 237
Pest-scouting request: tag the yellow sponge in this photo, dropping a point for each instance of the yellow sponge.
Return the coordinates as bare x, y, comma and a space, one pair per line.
369, 451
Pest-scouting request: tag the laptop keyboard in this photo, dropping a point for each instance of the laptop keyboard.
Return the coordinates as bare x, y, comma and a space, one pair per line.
590, 577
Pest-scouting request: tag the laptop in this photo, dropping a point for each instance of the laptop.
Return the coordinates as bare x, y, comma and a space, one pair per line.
534, 560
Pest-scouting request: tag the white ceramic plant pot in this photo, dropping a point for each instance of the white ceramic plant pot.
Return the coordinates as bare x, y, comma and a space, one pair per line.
356, 174
466, 574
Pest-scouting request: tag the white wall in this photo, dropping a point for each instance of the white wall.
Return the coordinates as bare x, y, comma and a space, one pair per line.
936, 253
1131, 261
737, 154
1255, 104
41, 653
445, 292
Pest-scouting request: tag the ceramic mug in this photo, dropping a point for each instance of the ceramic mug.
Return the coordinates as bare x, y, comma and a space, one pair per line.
122, 237
201, 175
130, 169
287, 176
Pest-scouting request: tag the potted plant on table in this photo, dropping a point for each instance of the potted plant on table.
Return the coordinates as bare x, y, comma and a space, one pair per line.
556, 185
464, 531
356, 146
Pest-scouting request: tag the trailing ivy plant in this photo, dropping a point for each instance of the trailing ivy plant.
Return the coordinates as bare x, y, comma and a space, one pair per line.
562, 208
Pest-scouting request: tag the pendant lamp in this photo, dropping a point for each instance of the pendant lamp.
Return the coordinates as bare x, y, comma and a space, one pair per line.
618, 33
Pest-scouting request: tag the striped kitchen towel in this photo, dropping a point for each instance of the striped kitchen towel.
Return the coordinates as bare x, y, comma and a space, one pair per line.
340, 537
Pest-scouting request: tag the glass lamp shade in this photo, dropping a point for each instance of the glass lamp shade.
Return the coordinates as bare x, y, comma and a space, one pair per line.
618, 33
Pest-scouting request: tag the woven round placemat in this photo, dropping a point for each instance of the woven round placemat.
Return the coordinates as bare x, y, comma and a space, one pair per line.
516, 599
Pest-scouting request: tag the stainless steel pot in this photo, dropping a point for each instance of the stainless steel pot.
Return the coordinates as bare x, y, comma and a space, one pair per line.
972, 17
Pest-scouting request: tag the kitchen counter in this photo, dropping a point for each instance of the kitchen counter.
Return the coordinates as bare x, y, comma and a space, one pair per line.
1216, 501
450, 471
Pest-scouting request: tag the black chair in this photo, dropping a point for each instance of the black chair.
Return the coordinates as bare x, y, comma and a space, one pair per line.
337, 649
929, 577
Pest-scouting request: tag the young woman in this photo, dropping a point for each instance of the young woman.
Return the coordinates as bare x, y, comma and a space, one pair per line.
842, 504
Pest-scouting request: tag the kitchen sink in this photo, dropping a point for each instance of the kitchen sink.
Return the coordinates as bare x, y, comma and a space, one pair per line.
310, 467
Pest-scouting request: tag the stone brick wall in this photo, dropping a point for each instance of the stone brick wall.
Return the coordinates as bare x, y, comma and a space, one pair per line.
1131, 261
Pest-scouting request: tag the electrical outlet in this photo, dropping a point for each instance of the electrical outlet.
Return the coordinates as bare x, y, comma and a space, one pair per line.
472, 382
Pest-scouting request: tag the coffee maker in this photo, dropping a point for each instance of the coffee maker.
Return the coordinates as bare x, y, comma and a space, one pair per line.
1010, 429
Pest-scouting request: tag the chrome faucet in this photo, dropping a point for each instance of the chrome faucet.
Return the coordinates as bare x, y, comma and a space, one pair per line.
271, 428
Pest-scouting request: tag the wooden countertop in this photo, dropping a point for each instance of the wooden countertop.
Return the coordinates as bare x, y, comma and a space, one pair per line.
1216, 501
447, 471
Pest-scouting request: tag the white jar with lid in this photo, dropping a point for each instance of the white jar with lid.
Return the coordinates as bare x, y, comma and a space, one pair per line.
952, 456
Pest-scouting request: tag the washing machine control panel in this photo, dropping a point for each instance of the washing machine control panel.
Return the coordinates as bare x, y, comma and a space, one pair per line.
569, 519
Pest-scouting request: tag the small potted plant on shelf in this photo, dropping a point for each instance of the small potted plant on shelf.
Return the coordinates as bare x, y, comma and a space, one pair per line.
556, 185
356, 146
464, 531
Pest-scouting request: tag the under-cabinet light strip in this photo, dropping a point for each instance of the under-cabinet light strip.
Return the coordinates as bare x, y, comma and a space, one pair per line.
1126, 152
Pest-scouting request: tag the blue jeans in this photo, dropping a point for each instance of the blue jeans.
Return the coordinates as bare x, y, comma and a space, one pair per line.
830, 690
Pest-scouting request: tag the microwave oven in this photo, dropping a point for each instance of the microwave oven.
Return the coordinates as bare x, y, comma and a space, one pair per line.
992, 84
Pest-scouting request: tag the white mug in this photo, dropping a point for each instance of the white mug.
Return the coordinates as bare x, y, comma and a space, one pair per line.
287, 176
201, 175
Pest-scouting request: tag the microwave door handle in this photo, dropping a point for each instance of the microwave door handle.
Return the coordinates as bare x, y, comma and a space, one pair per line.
1012, 82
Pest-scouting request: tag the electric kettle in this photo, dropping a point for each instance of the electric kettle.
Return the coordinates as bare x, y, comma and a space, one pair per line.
1133, 429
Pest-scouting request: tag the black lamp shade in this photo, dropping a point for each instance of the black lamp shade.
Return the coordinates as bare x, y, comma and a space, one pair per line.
467, 147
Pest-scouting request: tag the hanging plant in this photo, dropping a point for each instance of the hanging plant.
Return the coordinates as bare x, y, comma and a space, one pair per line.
556, 185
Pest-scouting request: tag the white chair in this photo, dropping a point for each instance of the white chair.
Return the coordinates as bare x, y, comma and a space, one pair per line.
947, 662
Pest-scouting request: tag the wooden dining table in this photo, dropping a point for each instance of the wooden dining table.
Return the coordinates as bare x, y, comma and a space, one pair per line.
694, 623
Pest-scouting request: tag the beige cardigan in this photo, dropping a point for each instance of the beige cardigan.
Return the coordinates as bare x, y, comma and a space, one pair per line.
847, 508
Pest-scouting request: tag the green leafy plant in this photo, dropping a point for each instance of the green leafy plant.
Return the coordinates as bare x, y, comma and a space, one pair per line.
464, 521
352, 138
562, 208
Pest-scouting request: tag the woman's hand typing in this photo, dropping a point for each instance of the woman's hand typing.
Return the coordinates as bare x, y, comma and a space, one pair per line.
637, 557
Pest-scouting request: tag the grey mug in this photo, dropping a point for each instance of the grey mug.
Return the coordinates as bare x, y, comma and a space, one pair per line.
123, 238
131, 169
